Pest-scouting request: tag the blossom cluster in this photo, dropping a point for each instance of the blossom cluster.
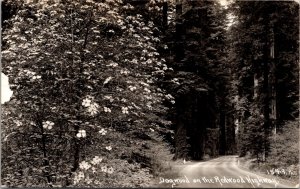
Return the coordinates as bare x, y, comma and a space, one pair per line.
108, 110
125, 110
92, 107
48, 125
103, 131
93, 166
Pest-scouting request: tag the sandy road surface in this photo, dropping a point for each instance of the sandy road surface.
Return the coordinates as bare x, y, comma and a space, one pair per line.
223, 172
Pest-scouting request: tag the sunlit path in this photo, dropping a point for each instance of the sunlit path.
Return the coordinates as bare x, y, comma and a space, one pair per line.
224, 172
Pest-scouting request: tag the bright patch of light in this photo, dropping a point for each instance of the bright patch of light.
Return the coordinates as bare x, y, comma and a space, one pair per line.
223, 2
6, 93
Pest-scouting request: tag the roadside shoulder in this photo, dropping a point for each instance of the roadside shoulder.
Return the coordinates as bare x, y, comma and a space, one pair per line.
246, 164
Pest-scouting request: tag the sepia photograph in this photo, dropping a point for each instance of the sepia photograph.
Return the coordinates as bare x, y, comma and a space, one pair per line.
150, 94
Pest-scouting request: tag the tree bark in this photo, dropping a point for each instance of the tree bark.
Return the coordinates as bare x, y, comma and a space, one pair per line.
165, 16
179, 54
223, 145
273, 82
266, 93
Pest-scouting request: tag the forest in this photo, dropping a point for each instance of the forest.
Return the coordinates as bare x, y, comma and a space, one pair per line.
110, 93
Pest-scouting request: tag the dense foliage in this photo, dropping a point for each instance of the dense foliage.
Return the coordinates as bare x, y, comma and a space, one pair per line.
200, 80
83, 73
264, 55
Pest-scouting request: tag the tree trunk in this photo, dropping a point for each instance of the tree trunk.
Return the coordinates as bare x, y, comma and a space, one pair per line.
223, 146
180, 140
179, 32
273, 82
266, 95
46, 163
165, 16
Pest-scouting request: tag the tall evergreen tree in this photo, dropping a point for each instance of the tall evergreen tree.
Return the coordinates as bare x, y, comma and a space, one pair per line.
201, 76
258, 39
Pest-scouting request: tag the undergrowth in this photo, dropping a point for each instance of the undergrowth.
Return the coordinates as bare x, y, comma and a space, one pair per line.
283, 159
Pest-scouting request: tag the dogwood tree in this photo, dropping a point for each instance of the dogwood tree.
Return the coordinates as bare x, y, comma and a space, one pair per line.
81, 71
